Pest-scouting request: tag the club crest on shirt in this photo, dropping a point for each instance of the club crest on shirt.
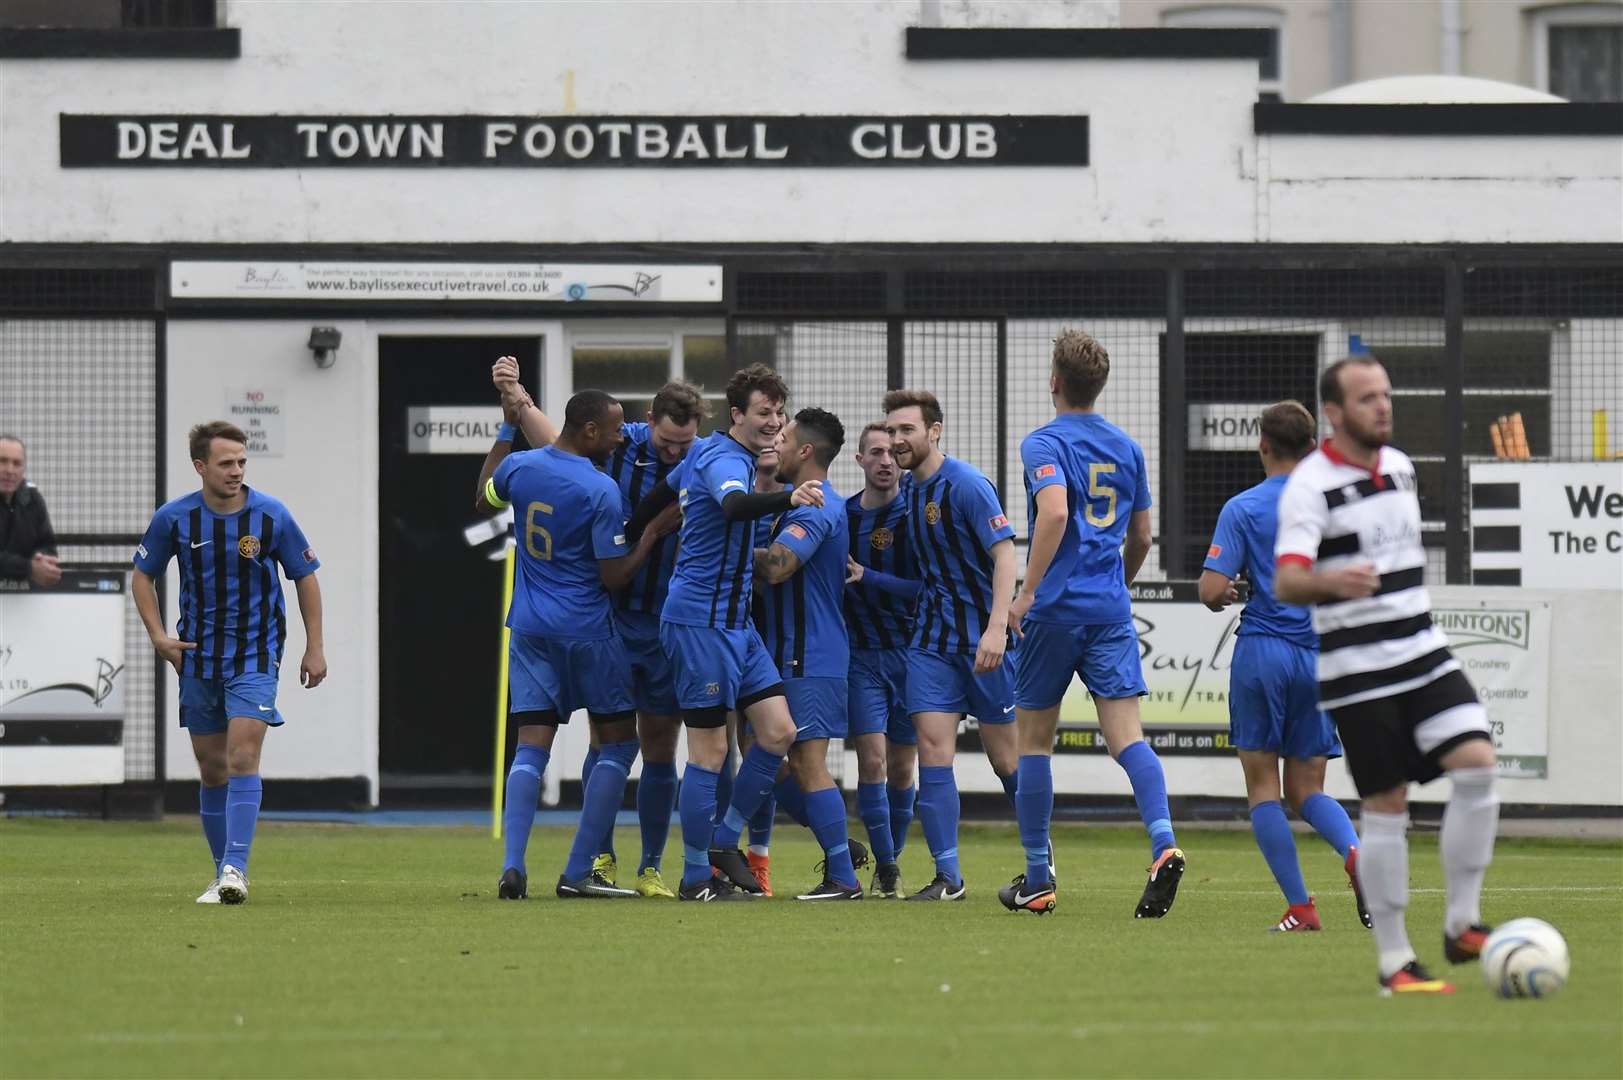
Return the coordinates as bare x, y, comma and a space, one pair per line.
880, 539
248, 547
932, 512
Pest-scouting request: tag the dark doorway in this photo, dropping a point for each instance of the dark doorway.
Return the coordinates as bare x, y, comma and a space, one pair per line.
1229, 377
439, 597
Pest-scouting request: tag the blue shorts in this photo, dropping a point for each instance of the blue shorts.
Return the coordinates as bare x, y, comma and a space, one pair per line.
715, 668
1274, 699
653, 683
818, 707
207, 705
946, 682
567, 675
1106, 658
878, 695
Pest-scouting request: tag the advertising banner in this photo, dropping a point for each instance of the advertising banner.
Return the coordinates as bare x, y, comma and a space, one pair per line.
1547, 524
1503, 643
562, 283
62, 680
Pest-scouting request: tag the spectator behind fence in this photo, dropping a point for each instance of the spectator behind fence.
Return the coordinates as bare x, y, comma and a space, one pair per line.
27, 541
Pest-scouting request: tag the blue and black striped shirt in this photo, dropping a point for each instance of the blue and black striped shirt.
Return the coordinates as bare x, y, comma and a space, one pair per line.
230, 594
953, 520
635, 469
880, 618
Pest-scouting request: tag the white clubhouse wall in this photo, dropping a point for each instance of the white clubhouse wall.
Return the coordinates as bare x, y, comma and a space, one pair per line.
1174, 155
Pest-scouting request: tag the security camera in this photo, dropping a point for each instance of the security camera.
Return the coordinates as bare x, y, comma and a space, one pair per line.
324, 341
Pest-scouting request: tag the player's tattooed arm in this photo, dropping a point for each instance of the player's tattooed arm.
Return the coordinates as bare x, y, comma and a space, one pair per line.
776, 564
518, 407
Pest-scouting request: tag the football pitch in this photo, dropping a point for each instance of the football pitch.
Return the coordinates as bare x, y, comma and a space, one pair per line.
369, 951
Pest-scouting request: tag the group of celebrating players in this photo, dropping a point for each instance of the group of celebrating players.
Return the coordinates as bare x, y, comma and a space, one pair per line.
721, 585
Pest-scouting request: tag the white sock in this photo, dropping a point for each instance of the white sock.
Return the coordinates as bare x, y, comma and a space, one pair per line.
759, 850
1469, 823
1383, 872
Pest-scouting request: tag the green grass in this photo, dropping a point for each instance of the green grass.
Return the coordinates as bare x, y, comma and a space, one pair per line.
383, 952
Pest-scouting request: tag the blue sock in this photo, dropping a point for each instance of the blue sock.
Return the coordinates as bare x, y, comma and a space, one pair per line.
211, 808
1150, 793
698, 808
761, 822
1330, 821
1011, 784
901, 814
724, 785
1034, 807
656, 798
1278, 846
605, 790
242, 795
826, 811
756, 775
605, 843
791, 800
875, 810
938, 814
523, 792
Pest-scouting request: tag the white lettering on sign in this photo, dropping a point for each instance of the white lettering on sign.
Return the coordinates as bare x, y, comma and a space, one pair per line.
164, 142
451, 429
259, 412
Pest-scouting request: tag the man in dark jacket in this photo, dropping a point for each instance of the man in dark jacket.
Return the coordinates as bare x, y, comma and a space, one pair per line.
27, 541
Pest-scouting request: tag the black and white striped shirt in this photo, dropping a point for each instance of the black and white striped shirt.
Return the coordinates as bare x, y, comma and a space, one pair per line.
1334, 513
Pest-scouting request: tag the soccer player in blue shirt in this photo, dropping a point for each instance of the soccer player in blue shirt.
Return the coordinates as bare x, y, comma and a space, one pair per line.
228, 540
645, 458
1088, 499
1273, 682
565, 651
802, 569
956, 660
880, 597
705, 626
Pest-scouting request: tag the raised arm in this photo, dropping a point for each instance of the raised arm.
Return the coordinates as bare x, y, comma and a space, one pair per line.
538, 428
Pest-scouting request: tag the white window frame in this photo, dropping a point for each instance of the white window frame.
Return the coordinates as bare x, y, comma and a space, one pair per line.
640, 333
1577, 14
1238, 16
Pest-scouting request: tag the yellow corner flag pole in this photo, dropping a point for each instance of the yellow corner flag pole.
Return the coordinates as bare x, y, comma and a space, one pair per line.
496, 786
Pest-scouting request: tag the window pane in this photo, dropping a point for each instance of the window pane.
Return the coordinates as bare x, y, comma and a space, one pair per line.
704, 361
621, 369
1586, 62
